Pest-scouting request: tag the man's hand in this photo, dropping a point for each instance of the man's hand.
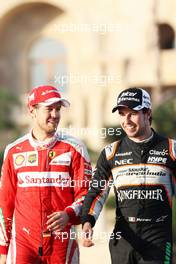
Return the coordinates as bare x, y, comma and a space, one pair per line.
57, 221
3, 259
87, 233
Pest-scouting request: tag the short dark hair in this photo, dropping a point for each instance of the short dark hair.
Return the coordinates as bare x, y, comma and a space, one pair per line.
145, 110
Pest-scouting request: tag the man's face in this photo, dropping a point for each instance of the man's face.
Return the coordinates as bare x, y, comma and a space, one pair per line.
46, 118
135, 123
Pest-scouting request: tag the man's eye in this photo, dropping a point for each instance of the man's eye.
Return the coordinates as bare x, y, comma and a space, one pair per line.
133, 113
48, 110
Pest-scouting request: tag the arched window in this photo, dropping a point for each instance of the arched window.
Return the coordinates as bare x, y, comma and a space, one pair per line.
47, 60
166, 36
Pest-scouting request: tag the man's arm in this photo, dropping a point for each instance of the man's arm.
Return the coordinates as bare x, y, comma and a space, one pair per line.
7, 202
81, 176
96, 197
3, 259
174, 181
172, 148
81, 172
87, 233
57, 221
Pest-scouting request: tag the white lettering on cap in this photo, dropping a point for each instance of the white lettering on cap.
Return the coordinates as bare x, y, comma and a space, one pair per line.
128, 94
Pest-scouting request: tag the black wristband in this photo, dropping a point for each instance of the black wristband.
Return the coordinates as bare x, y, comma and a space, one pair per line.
88, 218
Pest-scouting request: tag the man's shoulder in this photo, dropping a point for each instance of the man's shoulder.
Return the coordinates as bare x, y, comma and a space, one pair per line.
111, 149
172, 148
161, 137
169, 142
16, 144
74, 143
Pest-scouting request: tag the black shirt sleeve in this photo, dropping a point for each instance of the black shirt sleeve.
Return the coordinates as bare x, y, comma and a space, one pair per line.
98, 192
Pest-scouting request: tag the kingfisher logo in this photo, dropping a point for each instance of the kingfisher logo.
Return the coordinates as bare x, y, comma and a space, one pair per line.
42, 179
140, 195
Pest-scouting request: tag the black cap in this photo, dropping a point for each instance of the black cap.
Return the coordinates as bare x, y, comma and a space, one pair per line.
133, 98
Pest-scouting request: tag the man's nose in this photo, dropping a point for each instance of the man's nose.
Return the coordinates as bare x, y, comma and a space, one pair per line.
127, 119
54, 113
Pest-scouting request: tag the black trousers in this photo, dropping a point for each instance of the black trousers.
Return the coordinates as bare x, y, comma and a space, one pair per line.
142, 243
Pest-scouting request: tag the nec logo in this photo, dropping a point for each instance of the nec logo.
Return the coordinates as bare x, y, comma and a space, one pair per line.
123, 162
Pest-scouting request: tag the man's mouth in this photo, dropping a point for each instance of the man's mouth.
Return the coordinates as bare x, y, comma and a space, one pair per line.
129, 127
53, 122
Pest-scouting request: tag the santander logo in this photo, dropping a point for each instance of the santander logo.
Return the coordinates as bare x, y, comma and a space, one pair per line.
20, 181
42, 179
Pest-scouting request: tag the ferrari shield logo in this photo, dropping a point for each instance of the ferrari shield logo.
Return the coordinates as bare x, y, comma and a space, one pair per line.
52, 154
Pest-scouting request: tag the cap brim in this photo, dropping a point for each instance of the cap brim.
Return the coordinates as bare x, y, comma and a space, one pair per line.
63, 101
118, 106
114, 109
137, 108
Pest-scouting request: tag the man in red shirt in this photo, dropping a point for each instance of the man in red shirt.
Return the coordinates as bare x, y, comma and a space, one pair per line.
45, 177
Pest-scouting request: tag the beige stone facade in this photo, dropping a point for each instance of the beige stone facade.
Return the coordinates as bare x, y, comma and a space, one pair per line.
95, 47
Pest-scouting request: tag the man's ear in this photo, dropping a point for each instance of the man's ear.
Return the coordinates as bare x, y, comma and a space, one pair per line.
149, 112
32, 111
149, 115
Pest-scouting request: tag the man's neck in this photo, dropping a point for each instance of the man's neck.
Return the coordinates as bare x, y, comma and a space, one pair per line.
143, 139
39, 136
